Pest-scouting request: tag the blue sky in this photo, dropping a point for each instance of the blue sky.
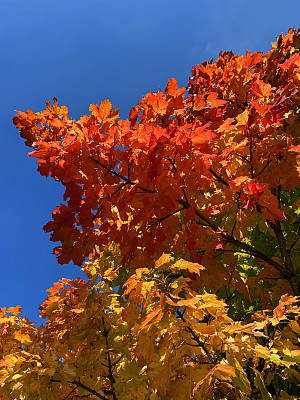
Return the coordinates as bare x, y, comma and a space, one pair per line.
84, 51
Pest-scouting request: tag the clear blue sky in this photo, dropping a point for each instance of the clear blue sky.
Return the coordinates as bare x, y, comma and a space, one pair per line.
81, 51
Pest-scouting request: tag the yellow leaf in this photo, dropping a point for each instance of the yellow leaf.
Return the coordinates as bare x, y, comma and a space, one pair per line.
242, 119
164, 259
225, 372
8, 361
295, 326
16, 376
158, 375
205, 329
189, 266
207, 376
22, 337
262, 351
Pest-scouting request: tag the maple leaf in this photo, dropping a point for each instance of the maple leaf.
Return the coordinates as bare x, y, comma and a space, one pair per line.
261, 89
189, 266
56, 110
172, 88
157, 102
103, 112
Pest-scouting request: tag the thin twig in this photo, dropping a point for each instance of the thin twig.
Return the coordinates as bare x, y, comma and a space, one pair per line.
244, 158
218, 177
92, 391
290, 249
94, 217
195, 336
259, 173
159, 220
124, 178
119, 359
242, 245
83, 386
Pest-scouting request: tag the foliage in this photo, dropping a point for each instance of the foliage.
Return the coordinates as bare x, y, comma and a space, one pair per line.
185, 218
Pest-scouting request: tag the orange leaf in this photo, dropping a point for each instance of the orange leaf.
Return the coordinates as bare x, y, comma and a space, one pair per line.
164, 259
103, 111
154, 316
171, 88
15, 310
261, 89
157, 101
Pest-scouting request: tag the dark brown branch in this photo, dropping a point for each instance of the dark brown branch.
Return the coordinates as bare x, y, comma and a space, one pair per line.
110, 365
185, 196
290, 273
92, 391
259, 173
159, 220
94, 217
218, 177
279, 389
124, 178
251, 156
83, 386
234, 111
195, 336
244, 158
193, 345
242, 245
119, 359
295, 241
72, 391
174, 168
237, 103
119, 188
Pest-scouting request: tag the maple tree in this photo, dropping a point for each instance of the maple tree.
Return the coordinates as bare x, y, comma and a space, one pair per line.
185, 219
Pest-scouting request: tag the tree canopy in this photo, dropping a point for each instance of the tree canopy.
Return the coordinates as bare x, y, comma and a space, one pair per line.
185, 219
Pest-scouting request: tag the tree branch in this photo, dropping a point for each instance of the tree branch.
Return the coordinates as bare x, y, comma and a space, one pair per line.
259, 173
94, 217
92, 391
195, 336
288, 273
218, 177
83, 386
124, 178
159, 220
110, 365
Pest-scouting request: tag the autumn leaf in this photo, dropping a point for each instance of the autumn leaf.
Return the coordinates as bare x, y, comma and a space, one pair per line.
188, 266
261, 89
157, 102
103, 112
152, 318
261, 385
206, 377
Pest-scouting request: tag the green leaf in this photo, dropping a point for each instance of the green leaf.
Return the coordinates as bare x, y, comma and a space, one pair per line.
5, 389
258, 380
